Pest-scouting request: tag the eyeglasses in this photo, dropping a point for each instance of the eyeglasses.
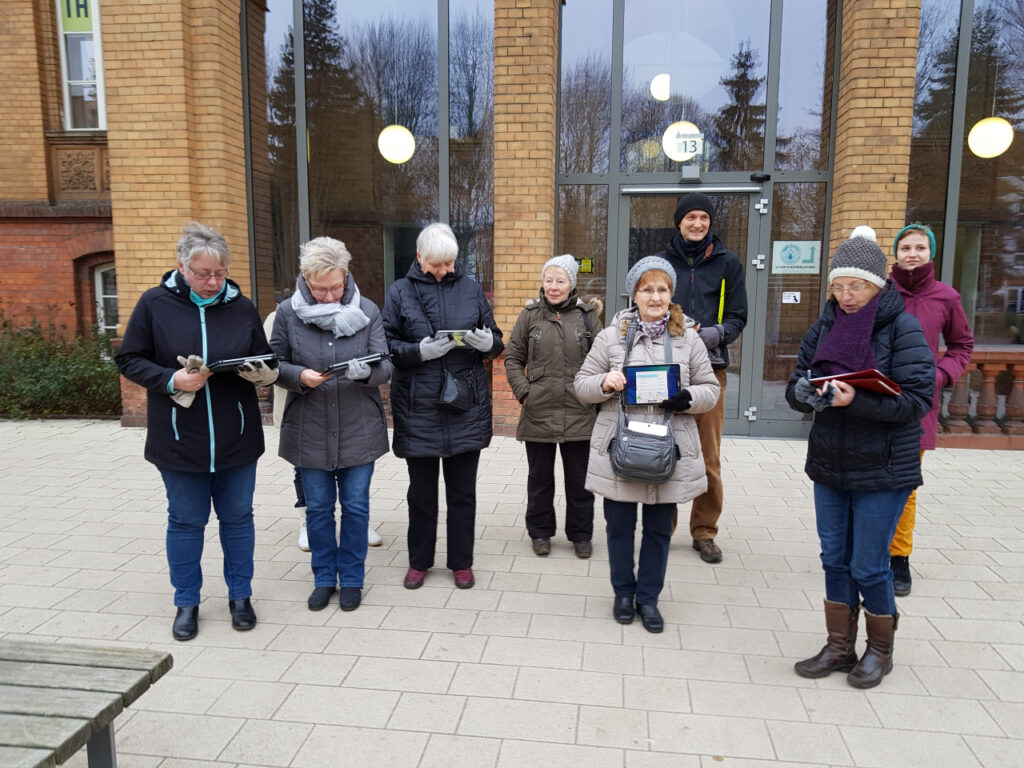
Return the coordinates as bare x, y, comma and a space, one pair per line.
323, 290
650, 291
853, 288
205, 277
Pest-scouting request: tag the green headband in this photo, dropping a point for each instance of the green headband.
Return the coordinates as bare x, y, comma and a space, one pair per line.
919, 228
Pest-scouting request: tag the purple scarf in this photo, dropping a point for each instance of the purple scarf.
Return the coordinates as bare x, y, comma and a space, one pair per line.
847, 347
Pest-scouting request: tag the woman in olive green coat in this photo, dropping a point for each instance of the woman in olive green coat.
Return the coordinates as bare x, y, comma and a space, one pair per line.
550, 340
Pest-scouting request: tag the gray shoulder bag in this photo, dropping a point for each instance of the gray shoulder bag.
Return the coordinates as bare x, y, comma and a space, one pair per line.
642, 456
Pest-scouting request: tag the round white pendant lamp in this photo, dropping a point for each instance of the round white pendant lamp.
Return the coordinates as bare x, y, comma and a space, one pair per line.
396, 144
990, 137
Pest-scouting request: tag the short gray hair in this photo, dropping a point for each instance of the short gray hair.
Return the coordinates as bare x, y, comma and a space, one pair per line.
322, 255
198, 240
436, 244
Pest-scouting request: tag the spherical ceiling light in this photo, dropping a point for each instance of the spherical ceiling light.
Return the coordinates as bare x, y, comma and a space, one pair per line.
661, 87
396, 144
990, 137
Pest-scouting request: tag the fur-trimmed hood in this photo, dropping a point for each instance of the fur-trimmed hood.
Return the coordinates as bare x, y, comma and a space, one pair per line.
678, 321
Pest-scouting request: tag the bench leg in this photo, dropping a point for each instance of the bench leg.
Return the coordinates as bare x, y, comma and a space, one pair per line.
101, 749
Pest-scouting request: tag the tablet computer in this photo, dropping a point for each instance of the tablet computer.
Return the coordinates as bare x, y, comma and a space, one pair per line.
456, 336
232, 363
650, 384
370, 359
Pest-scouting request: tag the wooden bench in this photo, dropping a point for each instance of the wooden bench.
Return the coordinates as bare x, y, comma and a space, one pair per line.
54, 698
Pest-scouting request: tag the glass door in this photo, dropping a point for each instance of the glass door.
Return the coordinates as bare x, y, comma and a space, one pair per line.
645, 227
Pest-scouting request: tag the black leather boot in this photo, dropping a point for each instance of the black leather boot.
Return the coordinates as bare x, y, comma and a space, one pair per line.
186, 622
901, 581
876, 662
243, 617
838, 654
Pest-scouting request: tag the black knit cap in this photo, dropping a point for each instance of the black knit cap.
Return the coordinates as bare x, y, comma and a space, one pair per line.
694, 201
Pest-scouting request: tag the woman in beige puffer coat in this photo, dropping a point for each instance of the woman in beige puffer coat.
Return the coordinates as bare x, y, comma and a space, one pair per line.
600, 380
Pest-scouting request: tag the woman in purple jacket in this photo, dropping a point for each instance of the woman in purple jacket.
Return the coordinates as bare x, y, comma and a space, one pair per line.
938, 307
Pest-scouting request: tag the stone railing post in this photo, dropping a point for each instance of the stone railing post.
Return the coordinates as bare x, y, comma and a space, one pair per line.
960, 404
987, 402
1014, 424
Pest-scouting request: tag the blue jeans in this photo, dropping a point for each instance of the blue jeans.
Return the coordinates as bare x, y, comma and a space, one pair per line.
855, 528
337, 559
189, 495
620, 525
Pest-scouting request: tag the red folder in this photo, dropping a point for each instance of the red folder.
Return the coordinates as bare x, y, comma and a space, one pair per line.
870, 379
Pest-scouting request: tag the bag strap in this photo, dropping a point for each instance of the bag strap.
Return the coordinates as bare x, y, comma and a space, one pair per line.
586, 327
631, 330
430, 325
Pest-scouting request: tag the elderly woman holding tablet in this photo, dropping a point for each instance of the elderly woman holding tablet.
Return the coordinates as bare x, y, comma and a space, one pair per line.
333, 359
651, 365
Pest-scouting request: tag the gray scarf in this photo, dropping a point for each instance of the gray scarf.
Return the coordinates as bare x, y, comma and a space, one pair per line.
342, 319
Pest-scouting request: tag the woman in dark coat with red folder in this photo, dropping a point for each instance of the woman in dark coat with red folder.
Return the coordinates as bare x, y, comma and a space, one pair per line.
862, 453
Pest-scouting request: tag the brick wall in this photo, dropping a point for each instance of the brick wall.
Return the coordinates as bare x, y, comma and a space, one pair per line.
525, 133
40, 275
23, 160
175, 133
873, 123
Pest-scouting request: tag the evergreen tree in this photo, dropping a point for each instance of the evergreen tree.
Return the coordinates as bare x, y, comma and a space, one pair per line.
739, 125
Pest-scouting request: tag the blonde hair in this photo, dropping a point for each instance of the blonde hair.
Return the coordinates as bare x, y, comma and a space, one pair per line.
322, 255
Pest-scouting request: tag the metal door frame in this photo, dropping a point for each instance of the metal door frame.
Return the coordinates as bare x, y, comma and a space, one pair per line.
754, 251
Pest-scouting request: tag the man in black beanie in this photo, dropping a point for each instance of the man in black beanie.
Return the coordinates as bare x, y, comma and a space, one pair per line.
711, 290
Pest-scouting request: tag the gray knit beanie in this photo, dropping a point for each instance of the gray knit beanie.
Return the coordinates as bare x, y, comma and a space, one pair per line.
567, 263
646, 264
860, 257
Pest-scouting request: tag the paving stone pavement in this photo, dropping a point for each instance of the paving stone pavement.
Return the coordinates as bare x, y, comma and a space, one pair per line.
528, 668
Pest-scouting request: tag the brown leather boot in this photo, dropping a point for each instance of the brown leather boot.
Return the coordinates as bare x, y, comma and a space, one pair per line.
876, 662
838, 654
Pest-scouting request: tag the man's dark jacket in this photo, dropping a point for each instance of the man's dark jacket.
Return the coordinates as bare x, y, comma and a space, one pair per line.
712, 281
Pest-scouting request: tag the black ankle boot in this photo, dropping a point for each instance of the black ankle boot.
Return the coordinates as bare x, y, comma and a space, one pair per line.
243, 617
900, 575
186, 622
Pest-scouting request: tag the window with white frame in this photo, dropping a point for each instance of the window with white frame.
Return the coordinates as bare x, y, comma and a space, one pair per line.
106, 298
81, 62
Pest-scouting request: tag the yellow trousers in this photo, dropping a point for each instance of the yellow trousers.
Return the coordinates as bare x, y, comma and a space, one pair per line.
903, 540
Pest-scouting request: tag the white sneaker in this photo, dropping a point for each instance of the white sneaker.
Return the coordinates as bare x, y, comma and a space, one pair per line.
373, 538
303, 538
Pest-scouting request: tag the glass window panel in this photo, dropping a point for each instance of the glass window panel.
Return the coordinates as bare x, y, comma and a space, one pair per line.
84, 109
108, 282
370, 66
683, 60
805, 85
583, 232
585, 95
990, 231
471, 132
81, 57
798, 214
932, 125
272, 118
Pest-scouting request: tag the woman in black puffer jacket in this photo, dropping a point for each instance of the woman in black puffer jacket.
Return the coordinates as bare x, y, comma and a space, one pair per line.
435, 296
863, 451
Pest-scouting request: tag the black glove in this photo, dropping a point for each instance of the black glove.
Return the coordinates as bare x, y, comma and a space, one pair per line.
679, 402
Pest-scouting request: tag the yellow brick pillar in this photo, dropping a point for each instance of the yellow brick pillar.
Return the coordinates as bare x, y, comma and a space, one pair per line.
23, 174
873, 122
525, 138
176, 141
